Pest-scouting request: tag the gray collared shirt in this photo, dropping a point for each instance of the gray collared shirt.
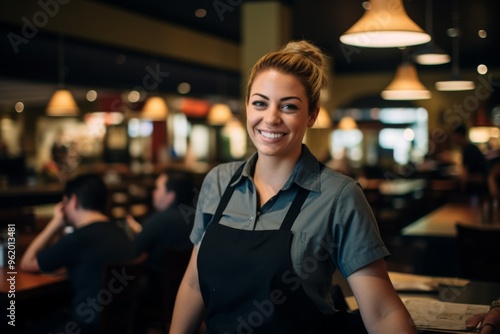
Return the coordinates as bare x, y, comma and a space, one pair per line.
335, 228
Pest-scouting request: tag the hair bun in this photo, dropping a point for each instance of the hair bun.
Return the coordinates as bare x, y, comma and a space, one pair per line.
307, 50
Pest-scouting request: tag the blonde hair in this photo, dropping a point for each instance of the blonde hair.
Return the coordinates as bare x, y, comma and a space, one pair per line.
300, 59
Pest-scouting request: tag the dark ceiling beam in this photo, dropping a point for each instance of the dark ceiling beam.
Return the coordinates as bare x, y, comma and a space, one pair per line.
109, 25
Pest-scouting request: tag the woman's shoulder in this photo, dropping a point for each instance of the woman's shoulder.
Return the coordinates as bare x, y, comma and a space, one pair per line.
224, 170
221, 174
332, 175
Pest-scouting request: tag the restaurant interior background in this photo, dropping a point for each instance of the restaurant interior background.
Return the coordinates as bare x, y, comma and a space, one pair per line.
114, 56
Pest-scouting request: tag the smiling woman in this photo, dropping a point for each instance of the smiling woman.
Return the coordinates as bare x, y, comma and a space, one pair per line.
270, 231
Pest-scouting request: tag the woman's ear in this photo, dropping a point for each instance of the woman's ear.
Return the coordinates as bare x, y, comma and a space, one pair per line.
312, 117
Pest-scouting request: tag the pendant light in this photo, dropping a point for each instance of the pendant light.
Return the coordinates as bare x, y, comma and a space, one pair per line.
219, 114
455, 83
323, 121
62, 102
155, 109
430, 53
347, 123
406, 84
385, 23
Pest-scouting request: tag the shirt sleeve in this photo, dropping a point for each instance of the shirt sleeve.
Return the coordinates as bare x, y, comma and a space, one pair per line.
209, 197
356, 232
61, 254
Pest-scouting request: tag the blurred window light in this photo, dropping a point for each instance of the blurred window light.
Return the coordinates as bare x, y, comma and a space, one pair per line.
408, 134
199, 143
346, 142
388, 138
139, 128
181, 128
399, 115
236, 134
482, 134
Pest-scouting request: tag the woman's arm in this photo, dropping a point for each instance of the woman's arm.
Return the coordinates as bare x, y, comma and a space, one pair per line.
188, 310
381, 308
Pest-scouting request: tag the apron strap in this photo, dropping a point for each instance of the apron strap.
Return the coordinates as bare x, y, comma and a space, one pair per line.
296, 206
294, 209
227, 195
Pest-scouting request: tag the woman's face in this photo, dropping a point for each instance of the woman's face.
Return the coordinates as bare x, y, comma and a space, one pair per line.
278, 114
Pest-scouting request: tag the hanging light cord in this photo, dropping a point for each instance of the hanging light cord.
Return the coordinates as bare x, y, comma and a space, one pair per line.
455, 41
428, 17
61, 61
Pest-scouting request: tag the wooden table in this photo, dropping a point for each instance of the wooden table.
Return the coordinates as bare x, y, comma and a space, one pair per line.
27, 298
434, 238
28, 285
441, 222
441, 289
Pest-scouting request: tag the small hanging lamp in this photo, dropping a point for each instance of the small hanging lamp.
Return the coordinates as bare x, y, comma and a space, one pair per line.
62, 102
455, 82
429, 53
406, 85
155, 109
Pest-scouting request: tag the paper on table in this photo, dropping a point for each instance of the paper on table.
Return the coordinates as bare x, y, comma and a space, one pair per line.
410, 282
429, 313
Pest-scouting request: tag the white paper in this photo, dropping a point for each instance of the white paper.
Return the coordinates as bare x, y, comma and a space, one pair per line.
428, 313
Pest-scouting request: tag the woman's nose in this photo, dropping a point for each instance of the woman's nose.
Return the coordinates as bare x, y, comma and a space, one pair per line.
272, 116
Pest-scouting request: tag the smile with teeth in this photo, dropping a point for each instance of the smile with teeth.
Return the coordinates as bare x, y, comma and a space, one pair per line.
271, 135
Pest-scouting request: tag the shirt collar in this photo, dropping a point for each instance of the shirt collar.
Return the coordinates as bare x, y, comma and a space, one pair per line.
306, 172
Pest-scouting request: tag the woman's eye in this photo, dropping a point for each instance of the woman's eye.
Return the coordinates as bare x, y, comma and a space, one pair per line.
290, 107
258, 104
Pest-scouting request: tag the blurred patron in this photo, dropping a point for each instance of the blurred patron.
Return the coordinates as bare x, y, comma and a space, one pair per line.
473, 167
82, 253
167, 228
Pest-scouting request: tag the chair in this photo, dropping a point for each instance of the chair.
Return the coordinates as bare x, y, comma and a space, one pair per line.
162, 290
123, 281
479, 252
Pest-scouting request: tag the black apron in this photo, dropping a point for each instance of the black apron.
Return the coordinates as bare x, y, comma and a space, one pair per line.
247, 279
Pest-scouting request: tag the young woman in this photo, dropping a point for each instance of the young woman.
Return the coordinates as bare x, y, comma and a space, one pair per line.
269, 232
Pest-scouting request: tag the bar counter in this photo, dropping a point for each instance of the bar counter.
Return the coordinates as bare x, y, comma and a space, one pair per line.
23, 195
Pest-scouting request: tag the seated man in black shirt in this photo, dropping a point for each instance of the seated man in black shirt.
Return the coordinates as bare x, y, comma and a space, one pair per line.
84, 252
167, 228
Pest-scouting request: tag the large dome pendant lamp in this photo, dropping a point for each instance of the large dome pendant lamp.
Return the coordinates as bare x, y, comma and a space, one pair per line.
384, 24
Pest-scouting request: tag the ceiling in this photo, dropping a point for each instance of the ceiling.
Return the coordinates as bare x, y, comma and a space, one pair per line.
33, 74
323, 21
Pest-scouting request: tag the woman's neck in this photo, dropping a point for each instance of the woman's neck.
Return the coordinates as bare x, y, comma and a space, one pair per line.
270, 175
